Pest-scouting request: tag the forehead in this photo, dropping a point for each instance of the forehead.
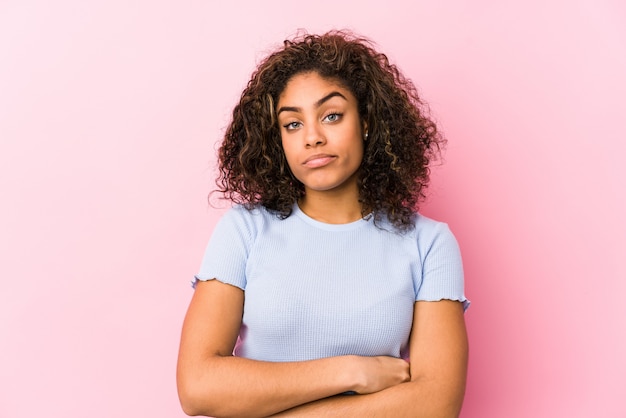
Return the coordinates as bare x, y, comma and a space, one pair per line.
311, 85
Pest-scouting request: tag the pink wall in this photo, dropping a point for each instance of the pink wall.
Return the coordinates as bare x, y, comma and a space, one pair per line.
108, 114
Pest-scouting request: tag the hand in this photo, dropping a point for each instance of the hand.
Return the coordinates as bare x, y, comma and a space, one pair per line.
374, 374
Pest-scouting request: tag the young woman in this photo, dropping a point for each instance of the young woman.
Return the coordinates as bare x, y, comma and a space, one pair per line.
323, 292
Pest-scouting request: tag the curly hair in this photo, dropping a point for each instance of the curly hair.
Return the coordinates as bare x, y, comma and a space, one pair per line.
402, 139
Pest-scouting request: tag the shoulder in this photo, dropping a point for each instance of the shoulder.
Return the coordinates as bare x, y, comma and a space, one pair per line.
434, 237
248, 222
427, 234
250, 217
425, 230
428, 228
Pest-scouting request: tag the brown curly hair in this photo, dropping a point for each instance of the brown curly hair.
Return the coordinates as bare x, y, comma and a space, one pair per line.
402, 139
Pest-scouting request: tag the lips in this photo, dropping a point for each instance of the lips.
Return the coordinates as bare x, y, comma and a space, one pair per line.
318, 160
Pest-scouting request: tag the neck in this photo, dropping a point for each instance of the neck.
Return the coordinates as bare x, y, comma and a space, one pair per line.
331, 207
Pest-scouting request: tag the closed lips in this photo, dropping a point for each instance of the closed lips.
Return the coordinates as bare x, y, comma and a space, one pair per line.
318, 160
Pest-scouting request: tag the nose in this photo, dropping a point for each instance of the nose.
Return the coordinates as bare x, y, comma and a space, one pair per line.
314, 136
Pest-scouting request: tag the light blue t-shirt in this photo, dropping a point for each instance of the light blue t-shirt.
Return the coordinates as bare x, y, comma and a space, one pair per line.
316, 290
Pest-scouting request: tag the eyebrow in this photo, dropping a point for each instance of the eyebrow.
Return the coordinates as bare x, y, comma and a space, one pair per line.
317, 104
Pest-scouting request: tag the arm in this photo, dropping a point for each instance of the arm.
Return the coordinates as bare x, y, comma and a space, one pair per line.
439, 353
213, 382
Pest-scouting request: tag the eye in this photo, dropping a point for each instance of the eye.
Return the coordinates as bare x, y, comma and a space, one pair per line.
292, 125
332, 117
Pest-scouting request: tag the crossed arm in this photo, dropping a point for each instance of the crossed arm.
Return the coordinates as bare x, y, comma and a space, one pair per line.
214, 383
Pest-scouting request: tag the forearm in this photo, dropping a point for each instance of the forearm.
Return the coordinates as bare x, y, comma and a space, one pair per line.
416, 399
232, 386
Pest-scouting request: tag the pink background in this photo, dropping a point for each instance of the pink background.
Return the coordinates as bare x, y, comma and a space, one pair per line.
108, 116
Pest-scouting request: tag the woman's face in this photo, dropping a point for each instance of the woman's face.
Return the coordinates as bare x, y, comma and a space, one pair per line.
321, 133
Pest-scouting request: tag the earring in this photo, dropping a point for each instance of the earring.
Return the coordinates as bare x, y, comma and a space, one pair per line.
366, 134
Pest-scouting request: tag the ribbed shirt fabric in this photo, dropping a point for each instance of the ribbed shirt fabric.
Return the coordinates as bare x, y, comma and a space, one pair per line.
316, 290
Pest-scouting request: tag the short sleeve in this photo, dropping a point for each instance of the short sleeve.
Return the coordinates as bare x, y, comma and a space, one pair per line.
442, 267
227, 252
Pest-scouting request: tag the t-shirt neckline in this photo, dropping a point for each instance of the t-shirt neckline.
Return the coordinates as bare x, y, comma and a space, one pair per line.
329, 227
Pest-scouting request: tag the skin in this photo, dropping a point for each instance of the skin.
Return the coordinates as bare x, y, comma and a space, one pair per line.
322, 136
436, 388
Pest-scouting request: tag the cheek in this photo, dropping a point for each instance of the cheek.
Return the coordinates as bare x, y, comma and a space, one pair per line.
289, 155
359, 151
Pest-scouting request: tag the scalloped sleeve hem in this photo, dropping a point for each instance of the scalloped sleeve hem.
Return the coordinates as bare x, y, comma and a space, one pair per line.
197, 279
